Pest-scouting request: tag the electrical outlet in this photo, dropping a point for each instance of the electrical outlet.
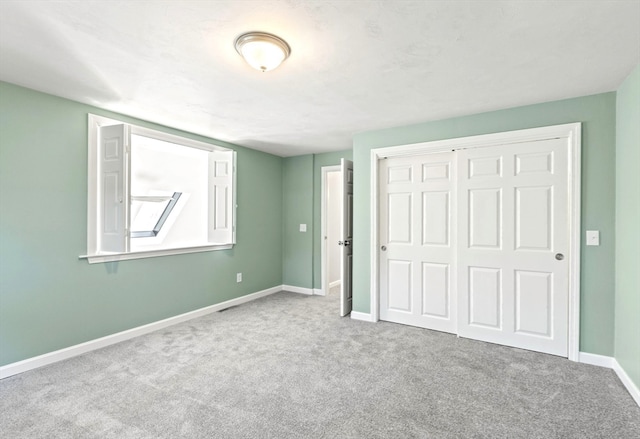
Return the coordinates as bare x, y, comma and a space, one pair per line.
303, 227
238, 277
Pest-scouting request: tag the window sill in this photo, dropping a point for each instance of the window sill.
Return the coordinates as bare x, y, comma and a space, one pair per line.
113, 257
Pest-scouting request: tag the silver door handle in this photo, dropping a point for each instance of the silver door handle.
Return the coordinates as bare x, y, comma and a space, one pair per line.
559, 256
383, 248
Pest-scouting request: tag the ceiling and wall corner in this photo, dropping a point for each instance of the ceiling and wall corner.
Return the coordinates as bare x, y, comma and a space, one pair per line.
355, 66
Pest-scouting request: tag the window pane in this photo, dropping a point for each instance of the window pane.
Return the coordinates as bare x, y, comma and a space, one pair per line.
152, 214
147, 216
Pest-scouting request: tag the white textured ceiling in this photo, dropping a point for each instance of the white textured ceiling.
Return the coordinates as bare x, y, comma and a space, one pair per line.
355, 65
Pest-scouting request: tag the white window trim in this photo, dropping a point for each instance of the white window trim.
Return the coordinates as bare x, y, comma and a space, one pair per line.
112, 257
93, 255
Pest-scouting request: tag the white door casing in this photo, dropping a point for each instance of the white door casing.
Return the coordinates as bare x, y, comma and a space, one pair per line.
328, 245
569, 136
417, 254
346, 259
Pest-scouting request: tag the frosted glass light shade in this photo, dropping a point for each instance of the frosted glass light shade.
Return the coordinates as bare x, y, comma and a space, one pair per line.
261, 50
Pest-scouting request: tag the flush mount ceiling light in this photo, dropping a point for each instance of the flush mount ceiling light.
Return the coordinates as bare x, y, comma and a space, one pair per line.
261, 50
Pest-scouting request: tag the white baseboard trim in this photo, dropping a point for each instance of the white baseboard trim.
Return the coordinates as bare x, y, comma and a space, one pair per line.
318, 292
626, 380
595, 359
92, 345
365, 317
335, 283
299, 290
612, 363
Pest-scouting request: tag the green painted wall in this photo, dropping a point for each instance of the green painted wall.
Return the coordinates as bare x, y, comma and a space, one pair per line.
320, 160
297, 196
302, 185
627, 312
597, 113
49, 299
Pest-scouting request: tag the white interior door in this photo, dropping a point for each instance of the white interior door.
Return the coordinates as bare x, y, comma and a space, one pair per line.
417, 241
346, 255
512, 238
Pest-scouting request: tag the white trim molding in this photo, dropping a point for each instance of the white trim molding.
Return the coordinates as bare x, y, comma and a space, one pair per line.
92, 345
362, 316
299, 290
318, 292
612, 363
571, 132
115, 257
324, 253
596, 360
626, 381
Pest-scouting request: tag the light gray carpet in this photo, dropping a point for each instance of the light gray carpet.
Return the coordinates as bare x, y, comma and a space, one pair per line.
286, 366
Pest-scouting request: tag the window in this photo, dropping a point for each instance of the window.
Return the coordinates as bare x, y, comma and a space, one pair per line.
154, 194
151, 213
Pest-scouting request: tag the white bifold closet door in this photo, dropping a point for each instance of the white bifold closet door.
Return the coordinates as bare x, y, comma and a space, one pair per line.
472, 242
417, 224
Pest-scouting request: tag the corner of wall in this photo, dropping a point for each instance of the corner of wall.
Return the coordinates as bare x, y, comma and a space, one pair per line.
627, 217
297, 194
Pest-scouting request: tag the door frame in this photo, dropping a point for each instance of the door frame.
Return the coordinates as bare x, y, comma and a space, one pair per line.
571, 132
323, 228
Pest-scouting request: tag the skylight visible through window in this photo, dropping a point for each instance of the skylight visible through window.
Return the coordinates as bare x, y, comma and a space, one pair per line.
150, 213
152, 193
